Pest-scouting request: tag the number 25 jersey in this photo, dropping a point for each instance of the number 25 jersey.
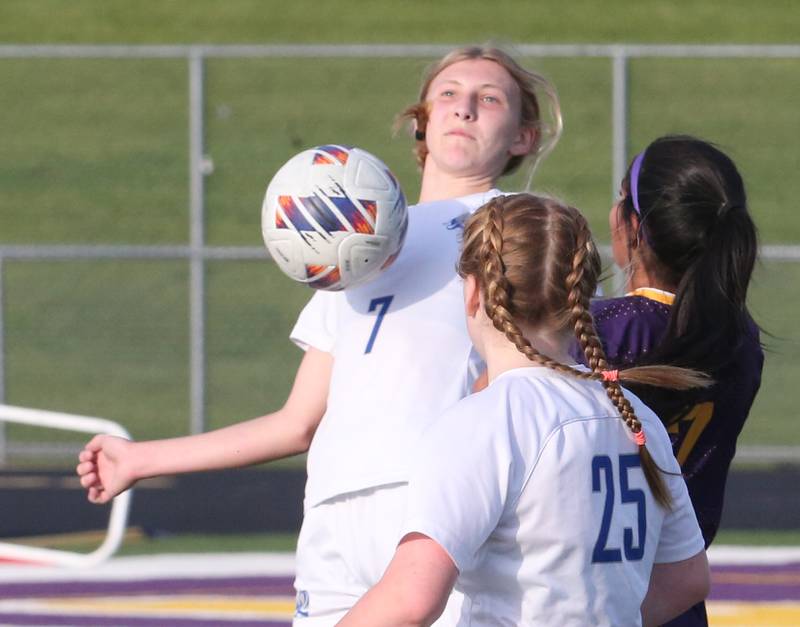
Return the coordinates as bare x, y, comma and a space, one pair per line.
535, 489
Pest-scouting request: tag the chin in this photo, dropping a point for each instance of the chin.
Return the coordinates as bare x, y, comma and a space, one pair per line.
465, 168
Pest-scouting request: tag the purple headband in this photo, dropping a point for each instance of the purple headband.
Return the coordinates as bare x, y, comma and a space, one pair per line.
637, 165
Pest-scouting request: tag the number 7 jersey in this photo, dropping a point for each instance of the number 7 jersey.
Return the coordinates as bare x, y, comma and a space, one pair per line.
401, 355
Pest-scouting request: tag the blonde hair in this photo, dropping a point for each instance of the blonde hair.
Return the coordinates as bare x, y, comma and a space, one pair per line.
537, 265
531, 87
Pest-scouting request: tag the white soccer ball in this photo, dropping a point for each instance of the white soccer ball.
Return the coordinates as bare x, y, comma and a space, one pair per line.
333, 217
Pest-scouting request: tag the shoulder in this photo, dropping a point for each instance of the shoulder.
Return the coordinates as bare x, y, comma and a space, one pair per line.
480, 408
752, 340
493, 411
509, 420
441, 223
628, 309
537, 401
743, 372
629, 326
460, 204
751, 349
437, 219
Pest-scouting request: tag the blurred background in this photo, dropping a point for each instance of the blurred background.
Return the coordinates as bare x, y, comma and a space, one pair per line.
137, 139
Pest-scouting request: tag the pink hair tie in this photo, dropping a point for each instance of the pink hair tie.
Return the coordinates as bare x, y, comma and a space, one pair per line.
611, 375
640, 439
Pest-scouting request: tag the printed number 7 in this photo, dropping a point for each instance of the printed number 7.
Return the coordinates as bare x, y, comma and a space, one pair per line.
383, 303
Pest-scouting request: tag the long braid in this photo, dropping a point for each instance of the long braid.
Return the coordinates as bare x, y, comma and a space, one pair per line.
498, 288
580, 290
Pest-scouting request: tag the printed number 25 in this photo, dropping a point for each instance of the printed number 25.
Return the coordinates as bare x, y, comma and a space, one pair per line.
382, 304
602, 468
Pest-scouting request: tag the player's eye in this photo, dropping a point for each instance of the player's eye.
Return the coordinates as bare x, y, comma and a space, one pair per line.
448, 92
490, 99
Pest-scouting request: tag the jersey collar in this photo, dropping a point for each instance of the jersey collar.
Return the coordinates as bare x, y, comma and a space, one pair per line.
661, 296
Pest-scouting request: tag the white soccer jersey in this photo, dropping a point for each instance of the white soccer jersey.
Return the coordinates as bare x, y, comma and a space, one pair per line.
401, 355
534, 488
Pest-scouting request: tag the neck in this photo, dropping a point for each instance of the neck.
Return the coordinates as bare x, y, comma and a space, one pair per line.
641, 277
501, 355
439, 185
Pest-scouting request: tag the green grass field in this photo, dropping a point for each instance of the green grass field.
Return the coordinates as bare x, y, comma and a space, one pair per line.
379, 21
95, 151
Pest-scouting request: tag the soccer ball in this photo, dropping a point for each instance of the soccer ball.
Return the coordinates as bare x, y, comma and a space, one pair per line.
333, 217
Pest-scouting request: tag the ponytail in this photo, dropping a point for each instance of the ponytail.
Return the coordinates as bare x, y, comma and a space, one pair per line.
696, 224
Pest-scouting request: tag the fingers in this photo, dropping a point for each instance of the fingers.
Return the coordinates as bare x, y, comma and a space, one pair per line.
98, 496
94, 489
86, 468
95, 444
87, 456
89, 479
83, 466
88, 472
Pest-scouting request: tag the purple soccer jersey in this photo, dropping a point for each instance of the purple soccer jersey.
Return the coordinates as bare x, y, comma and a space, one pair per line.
703, 425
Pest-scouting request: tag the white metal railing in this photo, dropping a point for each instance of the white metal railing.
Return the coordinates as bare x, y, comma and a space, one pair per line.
197, 253
118, 517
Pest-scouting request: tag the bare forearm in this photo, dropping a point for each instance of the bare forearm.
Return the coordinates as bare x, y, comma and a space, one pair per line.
258, 440
413, 590
656, 611
380, 607
674, 588
108, 465
285, 432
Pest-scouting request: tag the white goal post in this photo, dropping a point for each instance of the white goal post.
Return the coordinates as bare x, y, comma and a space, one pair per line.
119, 509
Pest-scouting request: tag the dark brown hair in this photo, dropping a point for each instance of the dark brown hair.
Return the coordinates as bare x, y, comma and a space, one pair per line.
698, 236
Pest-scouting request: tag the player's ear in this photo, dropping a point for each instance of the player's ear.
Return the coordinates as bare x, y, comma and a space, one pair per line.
472, 295
524, 142
633, 231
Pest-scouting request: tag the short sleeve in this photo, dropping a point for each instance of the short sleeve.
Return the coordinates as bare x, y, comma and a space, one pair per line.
316, 324
459, 486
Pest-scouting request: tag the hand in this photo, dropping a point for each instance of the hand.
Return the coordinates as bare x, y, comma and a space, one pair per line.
105, 467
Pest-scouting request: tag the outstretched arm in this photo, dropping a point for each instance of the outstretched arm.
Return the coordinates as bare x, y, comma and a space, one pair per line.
674, 588
413, 590
109, 465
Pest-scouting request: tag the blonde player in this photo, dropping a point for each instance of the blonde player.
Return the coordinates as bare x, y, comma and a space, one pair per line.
382, 359
552, 495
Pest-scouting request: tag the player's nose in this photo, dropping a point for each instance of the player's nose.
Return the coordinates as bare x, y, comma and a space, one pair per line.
465, 108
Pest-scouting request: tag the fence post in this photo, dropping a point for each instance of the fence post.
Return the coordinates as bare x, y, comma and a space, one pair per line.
3, 442
197, 300
619, 135
619, 117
